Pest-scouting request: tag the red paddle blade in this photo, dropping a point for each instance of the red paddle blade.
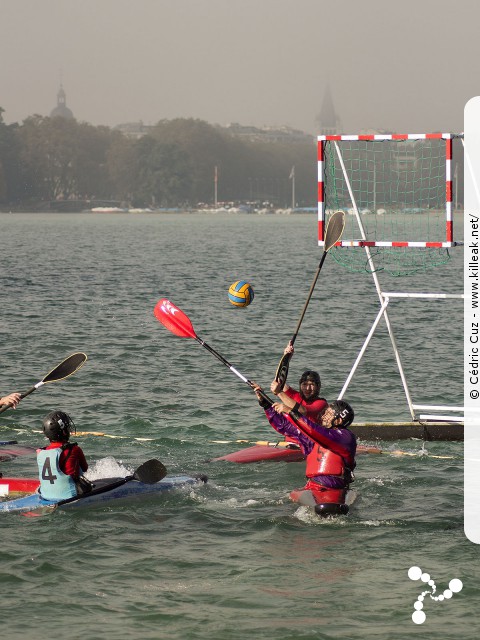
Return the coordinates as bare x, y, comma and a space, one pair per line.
174, 319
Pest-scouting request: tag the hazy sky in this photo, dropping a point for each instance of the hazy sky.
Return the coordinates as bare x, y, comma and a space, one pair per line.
407, 66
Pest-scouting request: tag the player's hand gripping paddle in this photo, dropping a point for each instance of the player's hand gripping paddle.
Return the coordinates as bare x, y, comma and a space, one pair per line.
333, 233
61, 371
178, 323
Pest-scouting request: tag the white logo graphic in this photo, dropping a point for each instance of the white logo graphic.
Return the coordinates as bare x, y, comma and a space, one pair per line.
168, 307
415, 573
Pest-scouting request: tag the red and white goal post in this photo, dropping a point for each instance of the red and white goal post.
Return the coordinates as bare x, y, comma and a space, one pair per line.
399, 174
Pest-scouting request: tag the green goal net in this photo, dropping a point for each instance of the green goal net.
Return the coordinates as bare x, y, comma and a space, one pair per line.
397, 194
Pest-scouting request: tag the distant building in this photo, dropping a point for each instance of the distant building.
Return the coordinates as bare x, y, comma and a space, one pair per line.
267, 134
253, 134
134, 129
61, 110
327, 121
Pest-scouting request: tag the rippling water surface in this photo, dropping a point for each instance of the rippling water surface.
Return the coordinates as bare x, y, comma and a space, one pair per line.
234, 558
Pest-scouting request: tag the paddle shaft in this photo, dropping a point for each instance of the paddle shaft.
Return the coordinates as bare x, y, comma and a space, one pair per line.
231, 367
32, 389
106, 487
293, 338
333, 233
282, 369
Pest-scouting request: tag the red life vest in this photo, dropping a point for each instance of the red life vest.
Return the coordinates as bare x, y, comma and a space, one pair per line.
321, 461
314, 408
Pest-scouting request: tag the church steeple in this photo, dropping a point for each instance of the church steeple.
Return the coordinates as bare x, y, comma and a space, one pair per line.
61, 110
327, 120
61, 97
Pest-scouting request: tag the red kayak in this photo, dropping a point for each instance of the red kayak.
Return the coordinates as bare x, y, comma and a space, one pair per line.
11, 450
276, 452
259, 453
9, 486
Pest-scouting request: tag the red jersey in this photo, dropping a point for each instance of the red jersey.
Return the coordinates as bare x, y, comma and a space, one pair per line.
72, 459
314, 408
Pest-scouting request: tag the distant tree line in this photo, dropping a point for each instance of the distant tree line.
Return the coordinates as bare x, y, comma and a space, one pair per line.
54, 159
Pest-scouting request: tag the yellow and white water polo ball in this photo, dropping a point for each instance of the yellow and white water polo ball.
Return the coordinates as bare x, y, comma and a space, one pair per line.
241, 293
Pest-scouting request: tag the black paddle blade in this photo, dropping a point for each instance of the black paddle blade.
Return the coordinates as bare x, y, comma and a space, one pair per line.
335, 227
282, 369
150, 472
66, 368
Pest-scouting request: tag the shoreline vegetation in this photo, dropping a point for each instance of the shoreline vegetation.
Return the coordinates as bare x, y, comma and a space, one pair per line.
54, 164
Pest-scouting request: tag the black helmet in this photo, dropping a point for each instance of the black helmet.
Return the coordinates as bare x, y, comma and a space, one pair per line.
344, 411
57, 426
313, 376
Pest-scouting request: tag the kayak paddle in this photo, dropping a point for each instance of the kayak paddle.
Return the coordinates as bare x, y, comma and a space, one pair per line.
333, 234
175, 320
178, 323
61, 371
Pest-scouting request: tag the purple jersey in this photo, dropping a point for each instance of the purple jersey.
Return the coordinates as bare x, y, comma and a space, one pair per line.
340, 441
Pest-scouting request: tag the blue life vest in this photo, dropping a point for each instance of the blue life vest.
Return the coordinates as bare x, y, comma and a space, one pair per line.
54, 484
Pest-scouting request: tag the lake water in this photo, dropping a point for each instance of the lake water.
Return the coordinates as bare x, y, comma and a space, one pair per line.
234, 558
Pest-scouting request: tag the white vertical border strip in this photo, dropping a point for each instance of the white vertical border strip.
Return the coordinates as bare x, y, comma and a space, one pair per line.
472, 320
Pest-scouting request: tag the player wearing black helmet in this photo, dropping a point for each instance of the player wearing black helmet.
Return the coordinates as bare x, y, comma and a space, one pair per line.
61, 463
306, 401
329, 447
57, 426
338, 414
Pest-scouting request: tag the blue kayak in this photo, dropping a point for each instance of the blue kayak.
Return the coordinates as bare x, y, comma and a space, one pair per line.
105, 490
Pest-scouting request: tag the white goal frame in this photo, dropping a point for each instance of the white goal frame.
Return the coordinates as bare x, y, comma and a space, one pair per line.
392, 137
